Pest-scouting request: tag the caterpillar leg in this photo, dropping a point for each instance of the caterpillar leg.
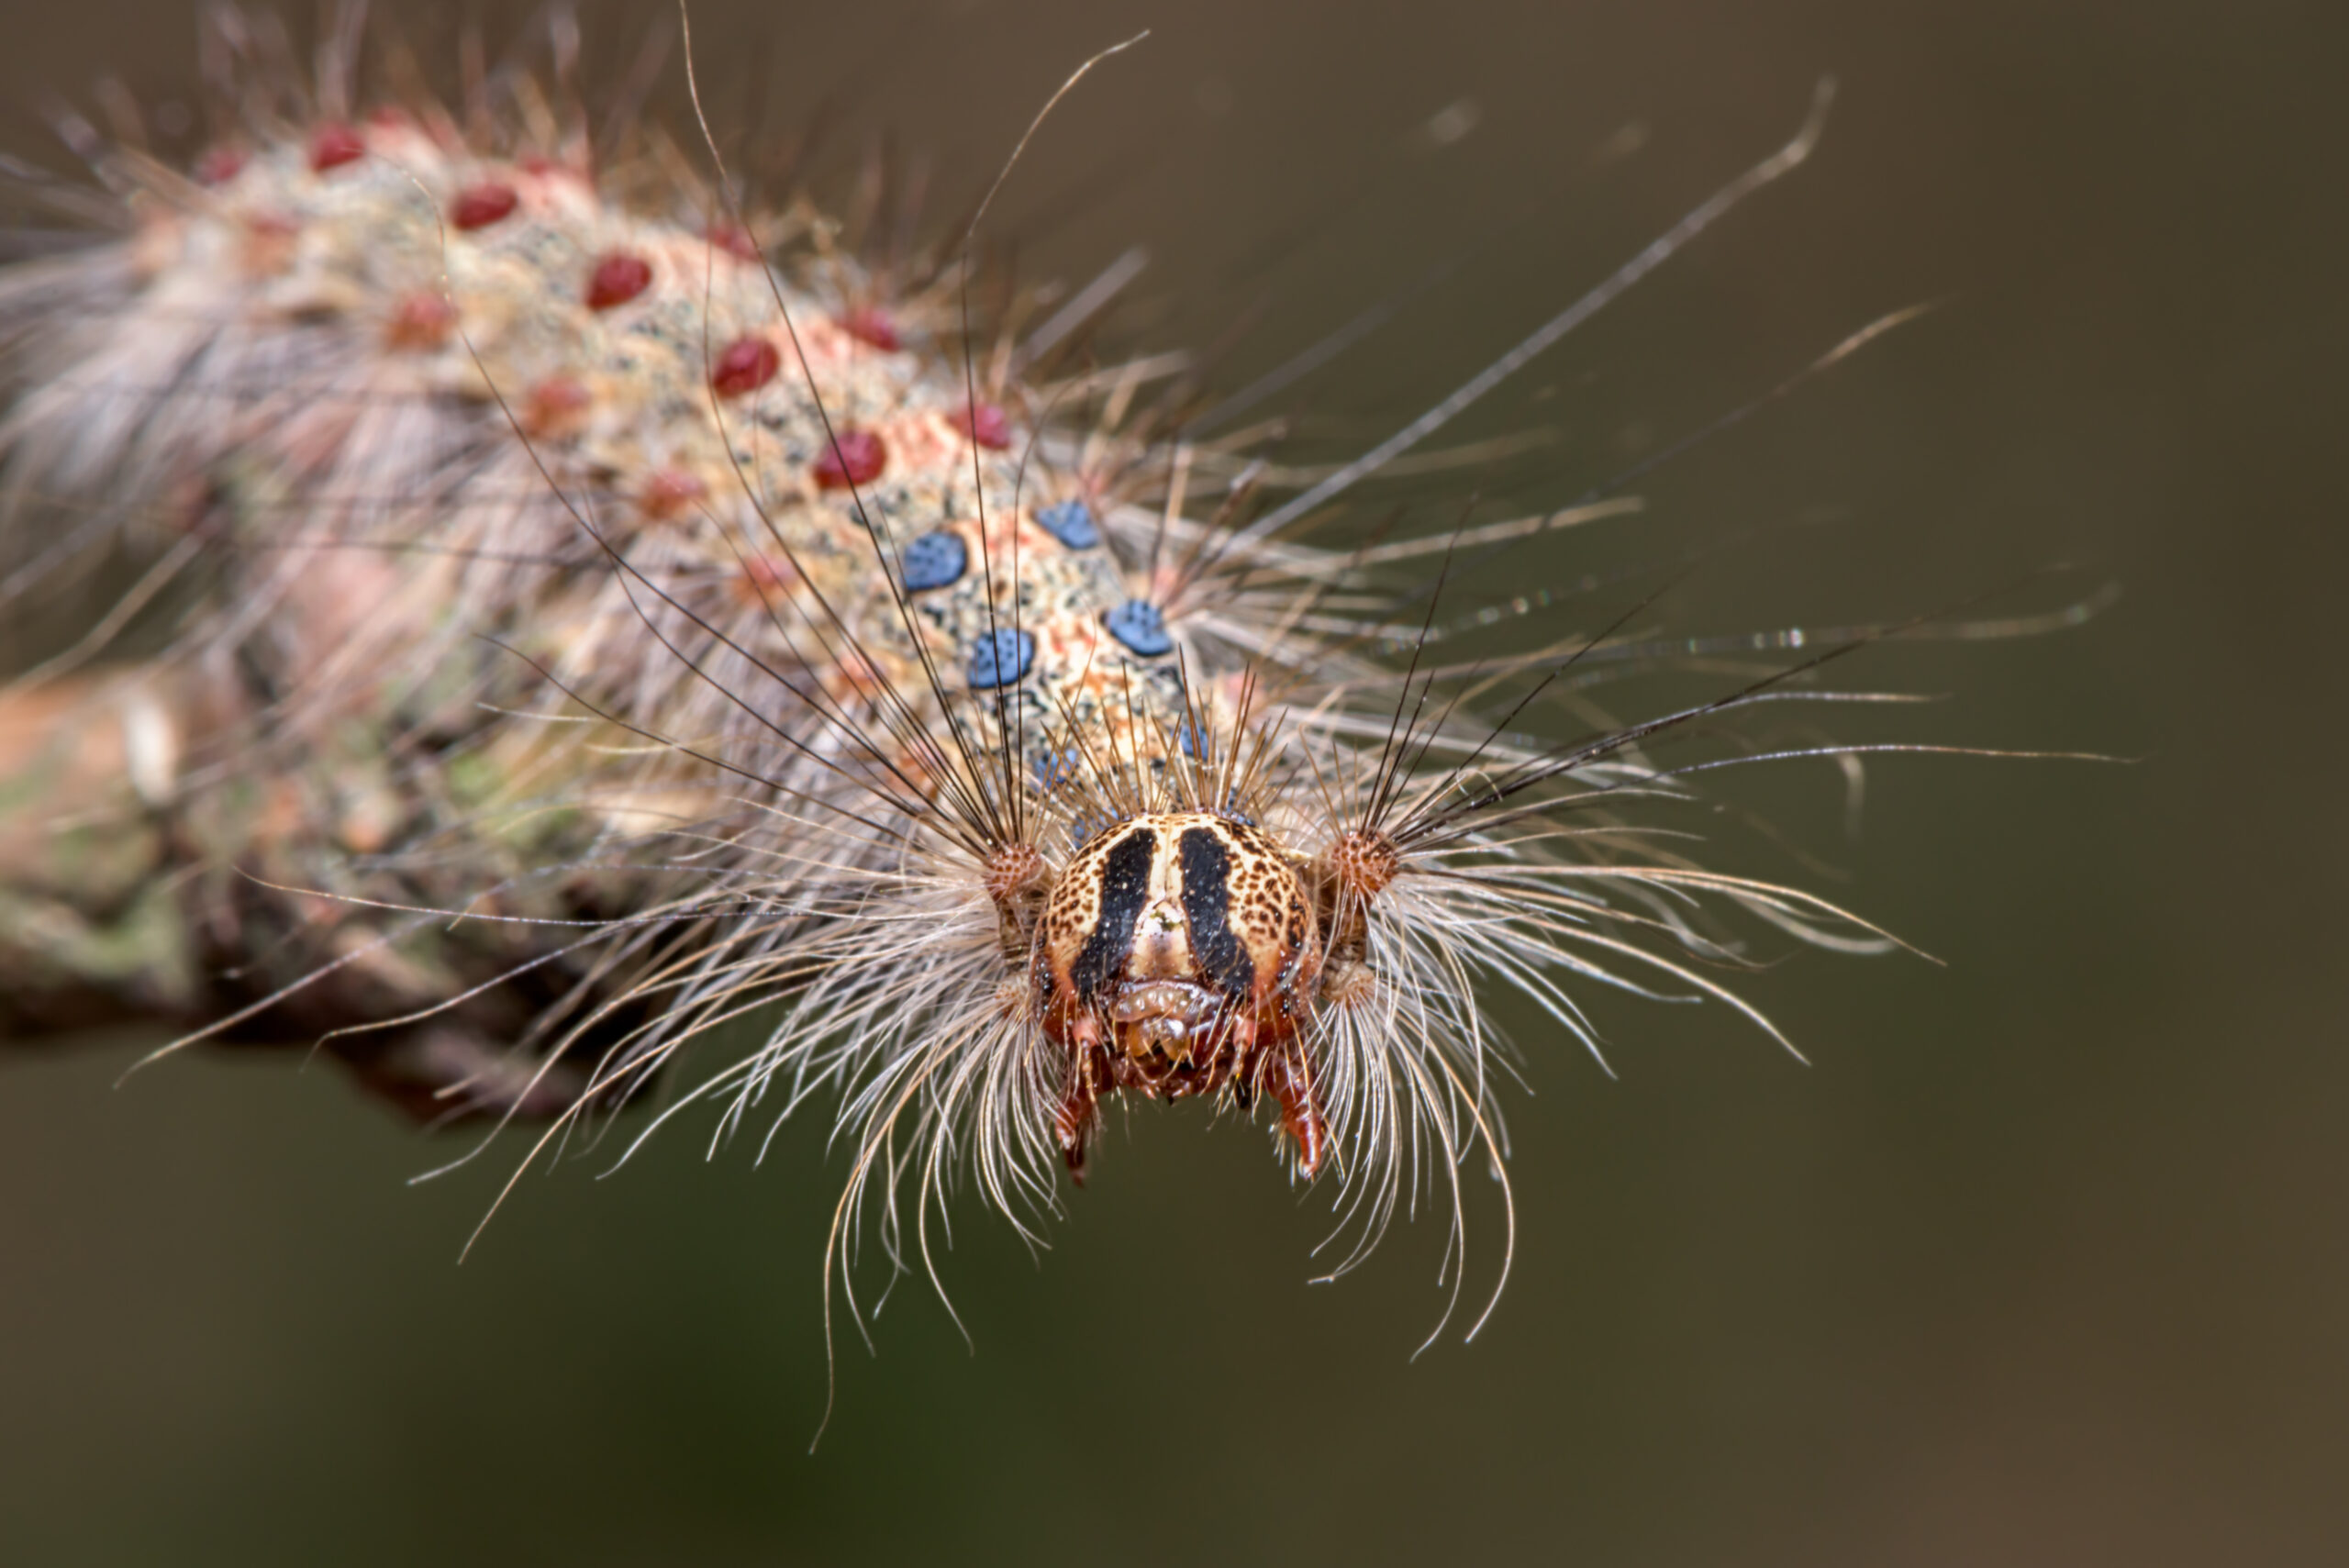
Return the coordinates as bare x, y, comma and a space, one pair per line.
1289, 1076
1079, 1108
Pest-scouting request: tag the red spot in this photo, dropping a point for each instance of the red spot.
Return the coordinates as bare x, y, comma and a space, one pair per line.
334, 144
219, 165
421, 318
620, 277
985, 425
390, 116
748, 364
479, 205
540, 165
555, 407
734, 240
669, 492
853, 457
870, 324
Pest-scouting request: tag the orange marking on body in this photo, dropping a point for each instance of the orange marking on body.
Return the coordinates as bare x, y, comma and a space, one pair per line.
921, 441
766, 582
421, 319
556, 407
823, 346
669, 493
266, 243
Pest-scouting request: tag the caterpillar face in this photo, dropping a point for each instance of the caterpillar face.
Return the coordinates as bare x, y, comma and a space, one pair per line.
1178, 954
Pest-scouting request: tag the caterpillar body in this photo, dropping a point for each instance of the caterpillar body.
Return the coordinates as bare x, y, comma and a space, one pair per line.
602, 618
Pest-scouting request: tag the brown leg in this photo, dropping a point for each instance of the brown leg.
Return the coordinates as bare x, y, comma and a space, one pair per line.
1290, 1078
1074, 1118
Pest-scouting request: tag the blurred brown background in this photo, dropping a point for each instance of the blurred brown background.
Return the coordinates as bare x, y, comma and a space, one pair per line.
2045, 1260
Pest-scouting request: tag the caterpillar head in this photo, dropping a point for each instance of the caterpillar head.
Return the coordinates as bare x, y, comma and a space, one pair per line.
1179, 953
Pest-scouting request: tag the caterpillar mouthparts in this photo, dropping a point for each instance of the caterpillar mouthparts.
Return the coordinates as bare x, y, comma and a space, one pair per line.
604, 619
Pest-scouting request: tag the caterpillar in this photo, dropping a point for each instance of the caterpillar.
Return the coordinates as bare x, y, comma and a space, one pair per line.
612, 639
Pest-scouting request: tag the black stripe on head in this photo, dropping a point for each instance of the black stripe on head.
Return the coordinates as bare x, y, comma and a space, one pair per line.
1125, 887
1207, 897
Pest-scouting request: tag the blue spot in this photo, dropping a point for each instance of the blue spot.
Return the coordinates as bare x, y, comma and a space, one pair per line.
935, 560
1071, 522
1001, 659
1138, 624
1188, 737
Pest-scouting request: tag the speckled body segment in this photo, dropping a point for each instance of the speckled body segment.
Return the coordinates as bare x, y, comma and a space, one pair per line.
460, 436
693, 406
